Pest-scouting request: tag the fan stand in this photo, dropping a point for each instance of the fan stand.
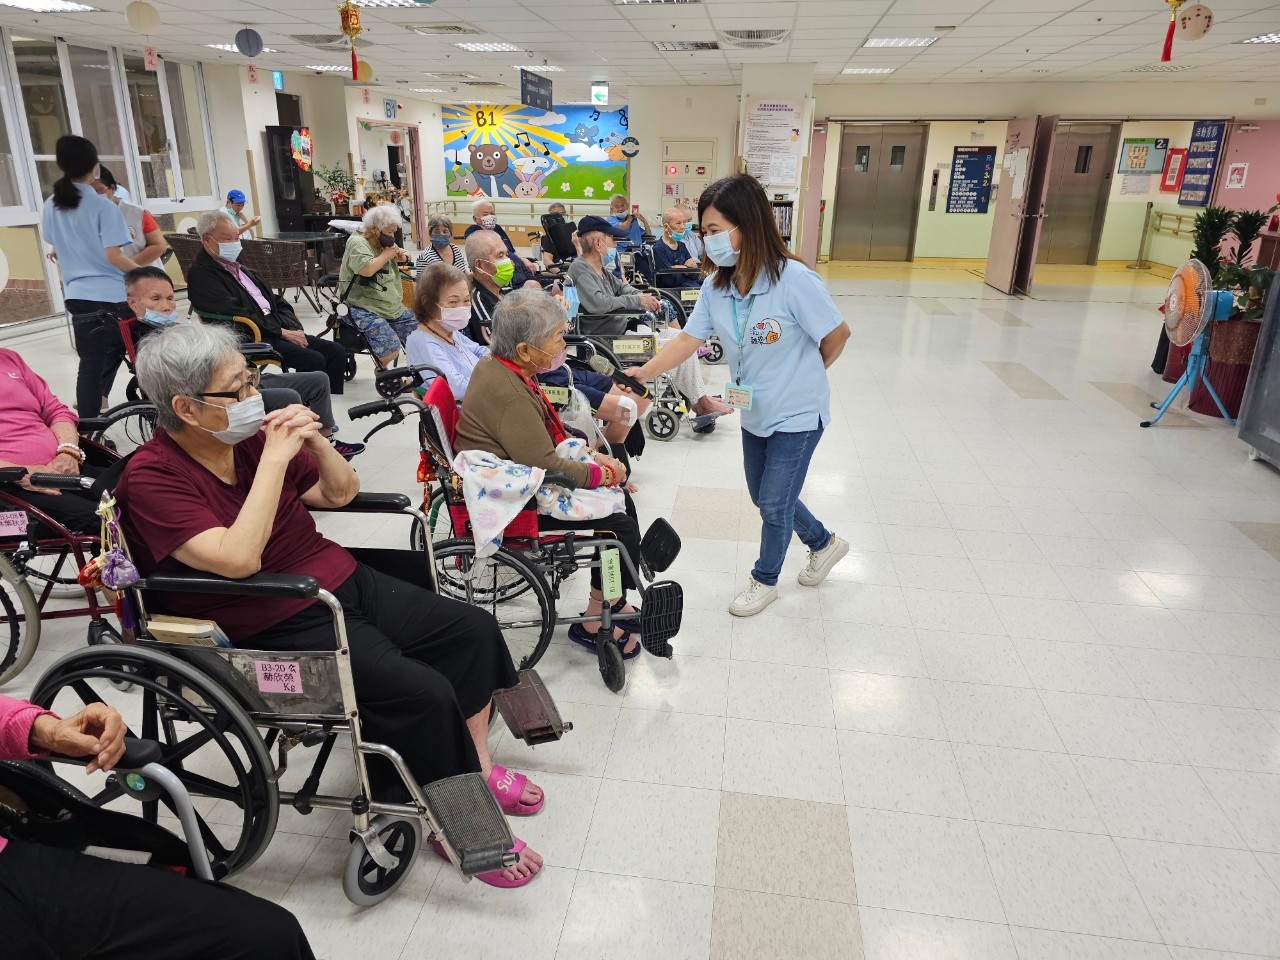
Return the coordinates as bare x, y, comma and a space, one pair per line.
1196, 361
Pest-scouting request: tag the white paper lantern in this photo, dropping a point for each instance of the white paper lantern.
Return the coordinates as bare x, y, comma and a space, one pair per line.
249, 42
1194, 21
143, 17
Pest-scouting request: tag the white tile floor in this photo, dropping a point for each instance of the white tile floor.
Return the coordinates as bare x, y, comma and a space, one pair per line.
1032, 715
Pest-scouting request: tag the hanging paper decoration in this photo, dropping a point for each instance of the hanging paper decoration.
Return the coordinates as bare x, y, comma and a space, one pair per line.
249, 42
350, 15
364, 72
300, 147
1167, 54
1194, 22
142, 17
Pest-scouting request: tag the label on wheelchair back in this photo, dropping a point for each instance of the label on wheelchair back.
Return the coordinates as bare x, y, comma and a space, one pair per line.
13, 522
689, 295
557, 395
610, 573
632, 346
279, 676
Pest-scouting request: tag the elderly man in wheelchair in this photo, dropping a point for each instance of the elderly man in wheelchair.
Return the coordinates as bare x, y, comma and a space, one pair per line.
222, 489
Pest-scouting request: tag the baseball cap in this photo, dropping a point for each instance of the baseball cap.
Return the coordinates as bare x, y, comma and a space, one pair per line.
592, 224
235, 196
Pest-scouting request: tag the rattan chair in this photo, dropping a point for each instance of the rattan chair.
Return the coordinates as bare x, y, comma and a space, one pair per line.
282, 265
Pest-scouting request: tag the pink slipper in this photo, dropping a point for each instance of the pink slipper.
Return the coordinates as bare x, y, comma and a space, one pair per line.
493, 878
508, 786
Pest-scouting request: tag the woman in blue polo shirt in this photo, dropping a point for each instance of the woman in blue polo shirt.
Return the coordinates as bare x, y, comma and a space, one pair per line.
781, 331
87, 232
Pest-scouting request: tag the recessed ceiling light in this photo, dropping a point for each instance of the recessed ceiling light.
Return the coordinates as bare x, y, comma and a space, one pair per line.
1263, 38
488, 47
534, 69
426, 90
327, 68
1039, 71
1159, 68
898, 41
627, 2
231, 48
47, 6
387, 3
851, 70
670, 46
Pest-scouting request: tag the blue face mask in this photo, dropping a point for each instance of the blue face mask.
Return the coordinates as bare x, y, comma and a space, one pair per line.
440, 239
720, 248
571, 296
610, 257
683, 234
230, 251
157, 318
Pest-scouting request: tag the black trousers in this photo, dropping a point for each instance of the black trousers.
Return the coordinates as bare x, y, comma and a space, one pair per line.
61, 905
77, 510
318, 355
97, 340
623, 527
422, 665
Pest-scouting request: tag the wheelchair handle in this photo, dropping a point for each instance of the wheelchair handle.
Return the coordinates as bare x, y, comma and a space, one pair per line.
560, 480
361, 410
60, 481
400, 372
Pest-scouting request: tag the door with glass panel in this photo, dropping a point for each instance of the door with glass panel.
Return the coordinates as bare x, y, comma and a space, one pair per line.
878, 191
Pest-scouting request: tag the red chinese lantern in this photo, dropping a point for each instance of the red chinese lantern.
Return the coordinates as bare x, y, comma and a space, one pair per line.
351, 29
1167, 54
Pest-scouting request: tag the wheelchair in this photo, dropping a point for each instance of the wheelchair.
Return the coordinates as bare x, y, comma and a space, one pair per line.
520, 584
348, 335
218, 713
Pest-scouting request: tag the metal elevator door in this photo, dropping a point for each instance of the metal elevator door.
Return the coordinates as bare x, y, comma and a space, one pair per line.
1084, 155
878, 191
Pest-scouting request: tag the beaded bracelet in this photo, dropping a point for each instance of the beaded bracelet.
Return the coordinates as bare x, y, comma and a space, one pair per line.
71, 450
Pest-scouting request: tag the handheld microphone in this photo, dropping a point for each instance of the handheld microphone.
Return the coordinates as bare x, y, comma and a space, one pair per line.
603, 367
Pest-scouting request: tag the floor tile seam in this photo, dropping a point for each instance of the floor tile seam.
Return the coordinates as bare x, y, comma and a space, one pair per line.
791, 896
1231, 821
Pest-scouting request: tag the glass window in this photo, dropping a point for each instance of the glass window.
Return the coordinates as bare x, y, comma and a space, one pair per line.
862, 159
10, 195
897, 158
40, 79
148, 124
188, 126
96, 104
1083, 154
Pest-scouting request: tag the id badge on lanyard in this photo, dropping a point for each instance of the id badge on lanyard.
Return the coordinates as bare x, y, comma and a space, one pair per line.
738, 394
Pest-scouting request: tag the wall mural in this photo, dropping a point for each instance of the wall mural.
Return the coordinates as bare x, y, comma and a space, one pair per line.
513, 151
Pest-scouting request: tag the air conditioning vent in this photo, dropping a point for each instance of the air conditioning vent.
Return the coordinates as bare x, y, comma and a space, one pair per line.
679, 46
440, 29
483, 83
327, 41
453, 76
752, 39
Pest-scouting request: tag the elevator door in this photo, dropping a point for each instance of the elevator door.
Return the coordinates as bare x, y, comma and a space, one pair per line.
1079, 183
878, 191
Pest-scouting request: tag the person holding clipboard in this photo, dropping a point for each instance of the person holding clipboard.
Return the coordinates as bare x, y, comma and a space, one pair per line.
780, 330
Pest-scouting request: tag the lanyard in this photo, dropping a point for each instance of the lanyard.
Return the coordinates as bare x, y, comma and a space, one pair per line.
740, 327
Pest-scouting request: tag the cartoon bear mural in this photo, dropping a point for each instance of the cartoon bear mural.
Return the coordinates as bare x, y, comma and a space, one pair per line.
492, 168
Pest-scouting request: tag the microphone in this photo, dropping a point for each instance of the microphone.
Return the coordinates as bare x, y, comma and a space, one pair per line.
603, 367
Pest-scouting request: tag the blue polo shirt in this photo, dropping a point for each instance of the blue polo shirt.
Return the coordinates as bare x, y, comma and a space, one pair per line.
781, 361
635, 234
80, 237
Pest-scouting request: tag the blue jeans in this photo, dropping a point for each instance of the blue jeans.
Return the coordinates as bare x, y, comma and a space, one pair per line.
776, 466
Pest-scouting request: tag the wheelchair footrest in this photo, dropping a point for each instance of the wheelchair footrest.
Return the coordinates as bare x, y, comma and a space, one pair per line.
661, 612
530, 712
471, 821
661, 545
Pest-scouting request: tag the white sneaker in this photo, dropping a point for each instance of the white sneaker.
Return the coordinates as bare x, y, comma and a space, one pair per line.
753, 599
820, 563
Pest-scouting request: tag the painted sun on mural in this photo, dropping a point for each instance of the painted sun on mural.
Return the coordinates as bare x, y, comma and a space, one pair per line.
510, 151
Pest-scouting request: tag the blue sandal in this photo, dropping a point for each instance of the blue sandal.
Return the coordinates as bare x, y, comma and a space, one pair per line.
578, 634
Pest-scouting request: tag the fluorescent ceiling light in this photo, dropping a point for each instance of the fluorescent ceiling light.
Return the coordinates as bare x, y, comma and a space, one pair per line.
669, 46
231, 47
1263, 38
327, 68
47, 6
542, 69
488, 47
387, 3
622, 3
898, 41
867, 70
1158, 68
426, 90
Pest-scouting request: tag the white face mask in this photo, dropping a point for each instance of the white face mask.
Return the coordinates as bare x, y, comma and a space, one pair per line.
489, 221
230, 250
244, 419
455, 318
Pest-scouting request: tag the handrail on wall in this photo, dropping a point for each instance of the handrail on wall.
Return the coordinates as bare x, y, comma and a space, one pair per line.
1176, 229
458, 209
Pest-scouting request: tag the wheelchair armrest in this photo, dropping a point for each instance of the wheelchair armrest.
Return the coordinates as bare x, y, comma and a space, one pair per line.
258, 351
91, 424
138, 753
61, 481
11, 475
373, 503
292, 585
560, 480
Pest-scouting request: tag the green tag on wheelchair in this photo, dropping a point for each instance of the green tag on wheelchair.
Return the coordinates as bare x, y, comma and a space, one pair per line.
690, 294
610, 573
557, 395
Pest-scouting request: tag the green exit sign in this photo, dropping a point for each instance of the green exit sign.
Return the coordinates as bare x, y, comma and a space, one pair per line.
599, 94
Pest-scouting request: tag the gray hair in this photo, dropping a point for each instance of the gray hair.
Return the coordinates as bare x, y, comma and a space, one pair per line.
558, 207
209, 221
477, 245
180, 361
618, 196
670, 214
439, 220
525, 316
482, 202
381, 217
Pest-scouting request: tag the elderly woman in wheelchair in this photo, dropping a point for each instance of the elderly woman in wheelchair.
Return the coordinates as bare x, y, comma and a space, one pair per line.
223, 489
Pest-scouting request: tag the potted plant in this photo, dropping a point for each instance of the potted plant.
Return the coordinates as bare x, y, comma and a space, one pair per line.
1246, 226
341, 184
1232, 341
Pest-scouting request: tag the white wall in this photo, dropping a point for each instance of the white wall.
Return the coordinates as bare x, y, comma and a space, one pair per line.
422, 114
1122, 228
328, 126
670, 113
259, 105
226, 118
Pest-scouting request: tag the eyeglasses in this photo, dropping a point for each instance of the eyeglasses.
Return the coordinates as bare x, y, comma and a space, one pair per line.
252, 377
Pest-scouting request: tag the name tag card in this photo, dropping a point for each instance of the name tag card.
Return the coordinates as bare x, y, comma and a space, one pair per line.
279, 677
13, 523
631, 346
557, 395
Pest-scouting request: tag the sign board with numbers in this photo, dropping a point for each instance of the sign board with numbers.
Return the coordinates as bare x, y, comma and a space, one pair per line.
389, 109
535, 90
970, 188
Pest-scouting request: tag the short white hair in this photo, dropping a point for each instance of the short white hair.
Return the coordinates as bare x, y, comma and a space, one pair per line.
482, 202
477, 245
209, 221
381, 217
180, 361
618, 196
525, 316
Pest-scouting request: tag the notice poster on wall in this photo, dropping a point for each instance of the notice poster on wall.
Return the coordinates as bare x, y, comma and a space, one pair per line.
1174, 163
1142, 155
1203, 156
772, 140
1237, 174
970, 189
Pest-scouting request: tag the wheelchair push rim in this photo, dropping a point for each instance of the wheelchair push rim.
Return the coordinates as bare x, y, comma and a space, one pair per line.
19, 622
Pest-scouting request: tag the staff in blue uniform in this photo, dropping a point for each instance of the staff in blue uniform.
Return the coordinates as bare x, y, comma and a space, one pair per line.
781, 331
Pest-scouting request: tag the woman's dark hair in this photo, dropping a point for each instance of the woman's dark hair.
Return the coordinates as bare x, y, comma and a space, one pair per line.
743, 202
107, 178
76, 156
432, 283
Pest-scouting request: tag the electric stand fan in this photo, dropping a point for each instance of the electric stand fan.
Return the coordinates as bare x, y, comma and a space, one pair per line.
1189, 307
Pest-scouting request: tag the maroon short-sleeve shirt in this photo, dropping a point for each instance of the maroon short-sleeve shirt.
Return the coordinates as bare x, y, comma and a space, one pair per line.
166, 498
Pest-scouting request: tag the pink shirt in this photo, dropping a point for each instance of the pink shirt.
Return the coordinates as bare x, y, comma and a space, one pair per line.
17, 717
28, 409
234, 269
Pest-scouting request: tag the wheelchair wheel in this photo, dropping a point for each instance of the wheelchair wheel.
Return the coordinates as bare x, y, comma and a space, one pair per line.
208, 740
132, 391
349, 369
128, 426
661, 424
715, 351
364, 880
508, 587
674, 306
439, 521
19, 622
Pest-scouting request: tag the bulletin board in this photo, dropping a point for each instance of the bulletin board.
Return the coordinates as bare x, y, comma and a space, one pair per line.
970, 188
